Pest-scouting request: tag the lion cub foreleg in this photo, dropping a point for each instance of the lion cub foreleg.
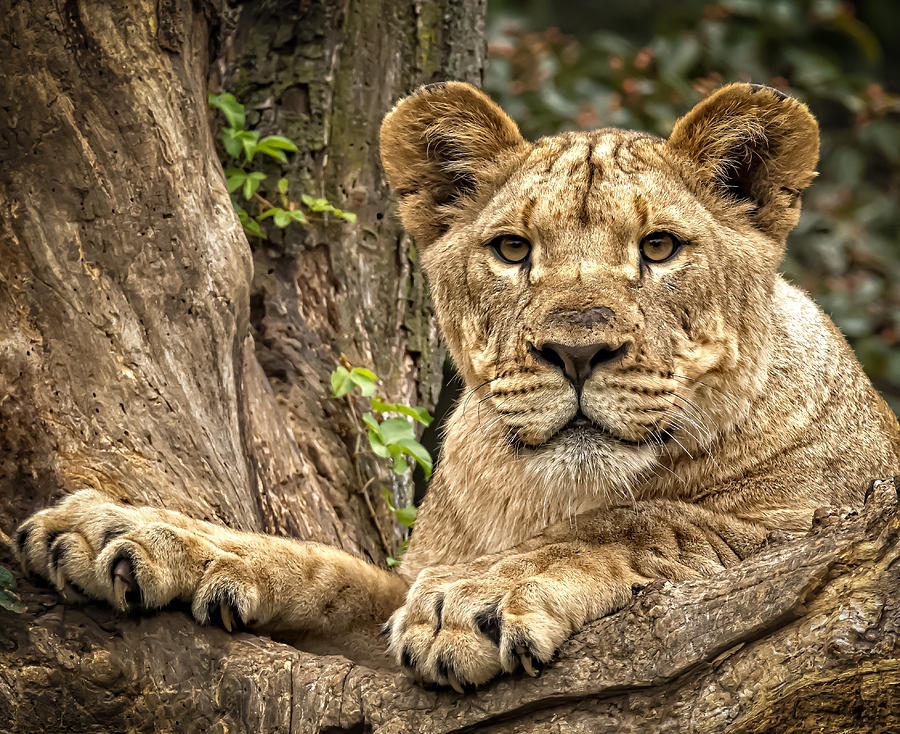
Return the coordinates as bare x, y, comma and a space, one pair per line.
515, 608
145, 557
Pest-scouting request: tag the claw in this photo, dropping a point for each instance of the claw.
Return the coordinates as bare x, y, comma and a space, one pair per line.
529, 667
454, 682
120, 589
227, 616
123, 582
58, 578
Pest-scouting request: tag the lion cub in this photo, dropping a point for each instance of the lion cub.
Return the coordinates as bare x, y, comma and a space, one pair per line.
646, 398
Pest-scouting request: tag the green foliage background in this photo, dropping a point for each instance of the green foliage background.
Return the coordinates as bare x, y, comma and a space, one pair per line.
571, 64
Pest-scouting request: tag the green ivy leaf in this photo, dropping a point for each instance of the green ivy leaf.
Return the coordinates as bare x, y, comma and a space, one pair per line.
372, 422
9, 599
252, 227
348, 216
252, 182
231, 141
282, 218
248, 140
278, 155
341, 383
364, 379
298, 216
282, 185
419, 453
231, 108
279, 142
234, 179
399, 464
377, 445
419, 414
7, 580
392, 561
316, 205
394, 430
406, 515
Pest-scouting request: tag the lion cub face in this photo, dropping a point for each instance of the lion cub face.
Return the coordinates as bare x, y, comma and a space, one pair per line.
608, 287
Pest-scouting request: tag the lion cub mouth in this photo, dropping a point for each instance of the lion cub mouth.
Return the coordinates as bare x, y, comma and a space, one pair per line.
580, 427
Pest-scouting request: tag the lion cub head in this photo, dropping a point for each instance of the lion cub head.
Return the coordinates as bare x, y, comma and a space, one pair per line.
605, 286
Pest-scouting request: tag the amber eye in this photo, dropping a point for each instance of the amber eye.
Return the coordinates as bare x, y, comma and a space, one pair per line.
658, 247
511, 249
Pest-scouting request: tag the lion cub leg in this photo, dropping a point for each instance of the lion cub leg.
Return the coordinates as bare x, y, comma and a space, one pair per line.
145, 557
513, 609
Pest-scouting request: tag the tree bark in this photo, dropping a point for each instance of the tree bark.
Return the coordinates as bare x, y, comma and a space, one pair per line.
802, 638
147, 351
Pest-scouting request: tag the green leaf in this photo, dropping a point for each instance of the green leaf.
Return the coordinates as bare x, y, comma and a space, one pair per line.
7, 580
231, 108
341, 383
279, 142
11, 601
368, 374
399, 464
316, 205
252, 182
282, 185
268, 213
298, 216
419, 453
364, 379
406, 515
419, 414
394, 430
348, 216
241, 140
372, 422
252, 226
377, 445
231, 141
387, 498
282, 218
392, 561
278, 155
235, 181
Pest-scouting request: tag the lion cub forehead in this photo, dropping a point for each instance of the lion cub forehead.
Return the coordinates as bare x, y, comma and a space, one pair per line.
594, 179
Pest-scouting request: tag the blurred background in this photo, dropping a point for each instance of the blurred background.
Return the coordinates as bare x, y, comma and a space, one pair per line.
572, 64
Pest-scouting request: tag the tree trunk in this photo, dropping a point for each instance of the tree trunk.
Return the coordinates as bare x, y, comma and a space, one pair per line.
147, 351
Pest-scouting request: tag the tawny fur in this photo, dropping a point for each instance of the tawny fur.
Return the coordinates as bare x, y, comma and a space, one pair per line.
737, 408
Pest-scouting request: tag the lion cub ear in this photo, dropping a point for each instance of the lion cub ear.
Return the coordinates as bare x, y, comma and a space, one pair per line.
439, 144
756, 144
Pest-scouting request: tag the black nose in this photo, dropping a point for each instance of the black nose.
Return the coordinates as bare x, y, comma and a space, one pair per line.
578, 362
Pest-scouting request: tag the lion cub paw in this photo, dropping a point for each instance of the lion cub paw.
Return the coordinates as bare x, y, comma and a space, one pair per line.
466, 632
89, 547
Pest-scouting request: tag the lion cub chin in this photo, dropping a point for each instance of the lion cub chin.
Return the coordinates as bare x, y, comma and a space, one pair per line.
646, 397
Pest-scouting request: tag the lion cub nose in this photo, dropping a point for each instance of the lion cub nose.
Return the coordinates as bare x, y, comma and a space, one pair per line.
578, 362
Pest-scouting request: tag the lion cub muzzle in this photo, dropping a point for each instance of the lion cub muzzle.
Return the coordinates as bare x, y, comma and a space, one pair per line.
579, 361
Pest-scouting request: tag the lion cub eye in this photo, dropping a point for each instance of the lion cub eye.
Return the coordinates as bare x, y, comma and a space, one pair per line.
658, 247
511, 249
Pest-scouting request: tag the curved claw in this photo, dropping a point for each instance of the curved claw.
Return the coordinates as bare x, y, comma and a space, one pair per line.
123, 582
227, 616
454, 682
528, 666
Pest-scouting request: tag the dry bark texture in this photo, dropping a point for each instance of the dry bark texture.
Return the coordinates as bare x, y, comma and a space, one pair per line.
802, 638
128, 306
147, 351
